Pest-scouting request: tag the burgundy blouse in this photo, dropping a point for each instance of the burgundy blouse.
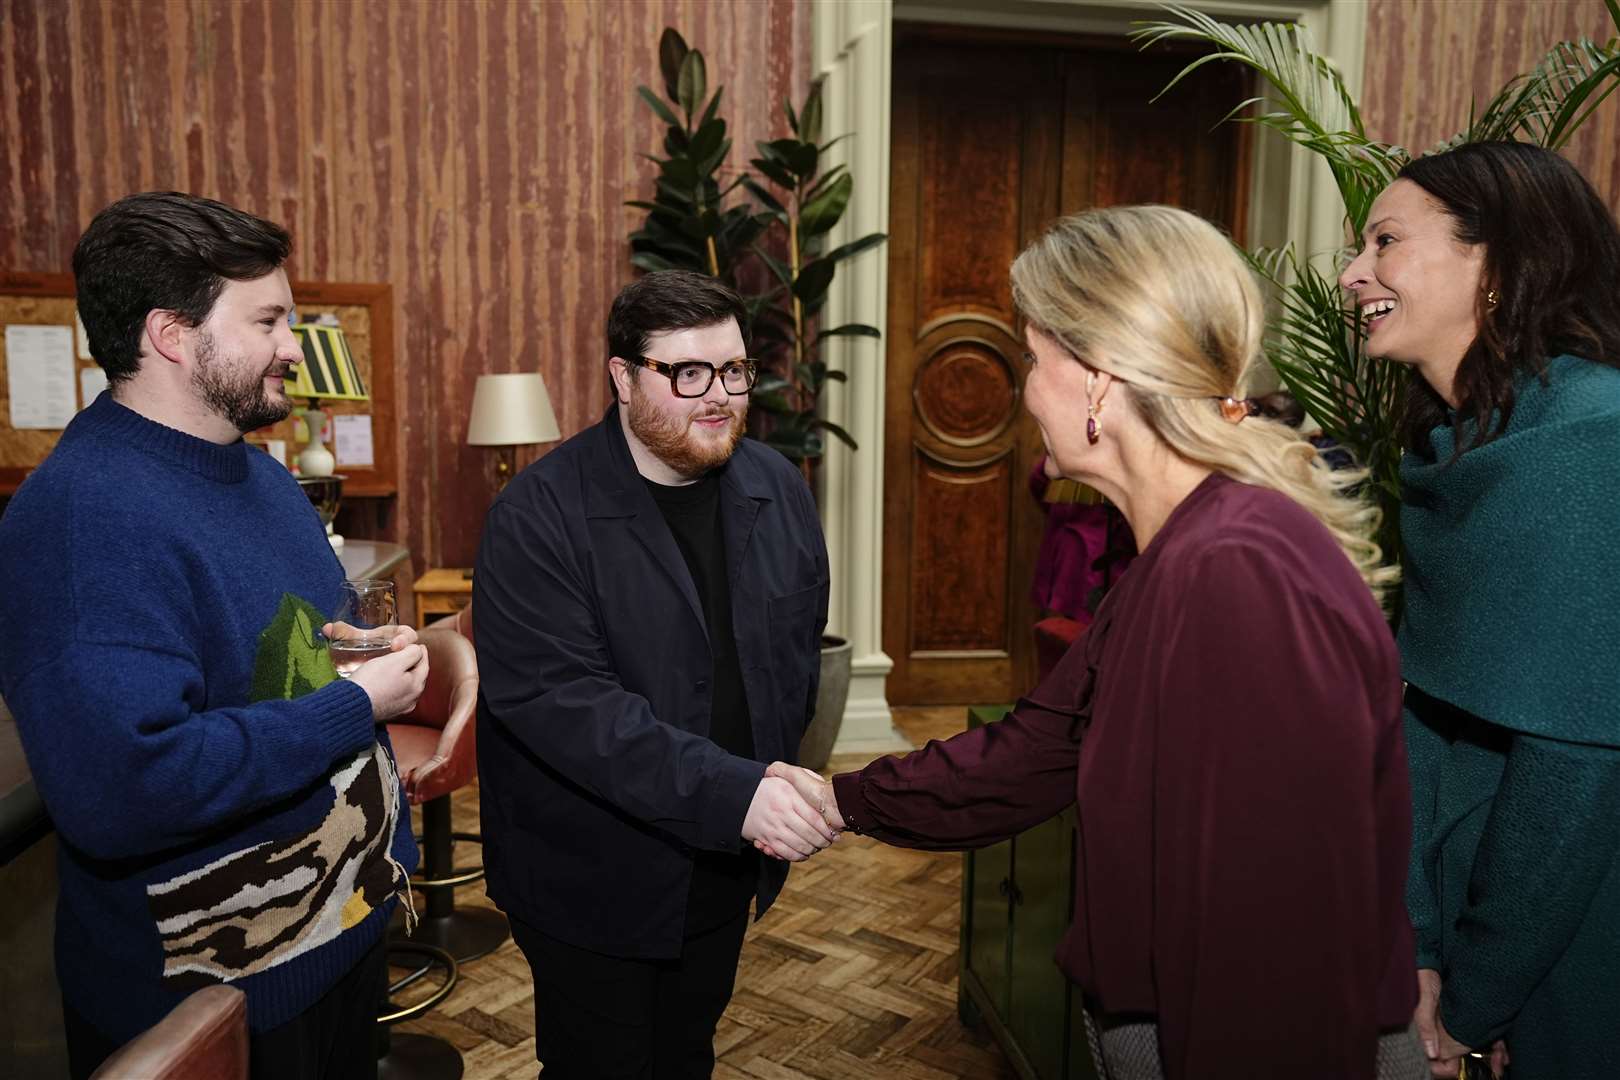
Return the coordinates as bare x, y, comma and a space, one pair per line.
1230, 727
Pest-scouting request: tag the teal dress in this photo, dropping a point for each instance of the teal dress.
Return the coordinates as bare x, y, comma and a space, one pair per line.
1510, 644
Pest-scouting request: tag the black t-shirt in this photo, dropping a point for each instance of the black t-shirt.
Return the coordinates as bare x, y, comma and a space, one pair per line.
722, 883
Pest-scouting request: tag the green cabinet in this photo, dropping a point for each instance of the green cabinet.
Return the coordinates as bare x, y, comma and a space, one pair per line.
1017, 899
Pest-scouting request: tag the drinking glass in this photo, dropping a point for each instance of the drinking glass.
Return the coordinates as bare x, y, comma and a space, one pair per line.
367, 619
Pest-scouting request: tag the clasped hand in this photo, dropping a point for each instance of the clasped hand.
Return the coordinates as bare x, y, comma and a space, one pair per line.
794, 813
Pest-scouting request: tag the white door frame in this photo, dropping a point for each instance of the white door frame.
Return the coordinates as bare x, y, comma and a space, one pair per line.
1292, 197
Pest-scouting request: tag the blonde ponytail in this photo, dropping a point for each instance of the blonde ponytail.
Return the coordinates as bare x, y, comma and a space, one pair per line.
1159, 298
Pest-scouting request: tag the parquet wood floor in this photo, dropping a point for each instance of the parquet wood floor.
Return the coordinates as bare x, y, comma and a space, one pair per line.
852, 974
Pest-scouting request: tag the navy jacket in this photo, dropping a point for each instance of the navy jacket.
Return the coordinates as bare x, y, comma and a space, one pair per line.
597, 778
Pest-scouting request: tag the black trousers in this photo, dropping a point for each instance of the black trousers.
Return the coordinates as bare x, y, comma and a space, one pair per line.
333, 1039
606, 1018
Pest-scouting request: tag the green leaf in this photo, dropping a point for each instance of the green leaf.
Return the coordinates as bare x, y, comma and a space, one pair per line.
776, 266
714, 106
792, 449
671, 54
706, 139
1545, 105
851, 330
855, 247
799, 157
1316, 112
774, 394
823, 212
658, 106
707, 166
692, 87
774, 170
766, 199
830, 143
679, 195
680, 172
648, 261
810, 115
823, 180
833, 429
291, 658
793, 119
813, 280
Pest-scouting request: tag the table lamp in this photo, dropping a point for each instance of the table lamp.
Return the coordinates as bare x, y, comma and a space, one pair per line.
509, 411
328, 373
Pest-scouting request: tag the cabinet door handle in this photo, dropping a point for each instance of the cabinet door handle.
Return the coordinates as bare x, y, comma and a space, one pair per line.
1005, 888
1017, 893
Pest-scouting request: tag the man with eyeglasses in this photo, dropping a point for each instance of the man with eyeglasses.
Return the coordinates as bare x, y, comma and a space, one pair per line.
648, 605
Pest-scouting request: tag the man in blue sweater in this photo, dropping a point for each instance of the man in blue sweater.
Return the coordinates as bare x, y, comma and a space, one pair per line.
226, 811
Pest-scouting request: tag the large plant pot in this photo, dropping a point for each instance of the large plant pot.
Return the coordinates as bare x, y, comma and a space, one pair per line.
817, 744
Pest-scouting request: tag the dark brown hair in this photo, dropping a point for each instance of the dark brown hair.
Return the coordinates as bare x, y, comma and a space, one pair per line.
163, 251
1552, 256
667, 300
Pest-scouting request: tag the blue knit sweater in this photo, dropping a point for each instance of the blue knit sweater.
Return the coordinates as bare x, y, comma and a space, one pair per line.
224, 808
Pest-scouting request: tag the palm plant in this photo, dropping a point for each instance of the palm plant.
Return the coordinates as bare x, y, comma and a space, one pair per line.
1316, 340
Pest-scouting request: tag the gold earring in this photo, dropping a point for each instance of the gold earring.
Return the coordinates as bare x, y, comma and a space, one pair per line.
1492, 298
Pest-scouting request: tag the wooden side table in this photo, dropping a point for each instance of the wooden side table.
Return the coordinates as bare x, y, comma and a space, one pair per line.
442, 591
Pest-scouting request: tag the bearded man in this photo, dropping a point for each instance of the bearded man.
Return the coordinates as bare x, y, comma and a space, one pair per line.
227, 809
647, 605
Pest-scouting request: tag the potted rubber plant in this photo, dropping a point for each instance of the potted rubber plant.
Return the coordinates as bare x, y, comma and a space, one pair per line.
777, 236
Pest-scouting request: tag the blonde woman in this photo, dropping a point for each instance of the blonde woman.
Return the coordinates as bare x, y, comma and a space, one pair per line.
1231, 722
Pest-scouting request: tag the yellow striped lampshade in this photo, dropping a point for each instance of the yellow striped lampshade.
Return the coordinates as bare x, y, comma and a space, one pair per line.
328, 371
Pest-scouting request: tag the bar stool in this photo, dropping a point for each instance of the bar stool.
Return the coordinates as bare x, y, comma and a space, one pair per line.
411, 1056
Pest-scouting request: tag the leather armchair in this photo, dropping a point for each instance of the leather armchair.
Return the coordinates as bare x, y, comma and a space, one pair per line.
433, 743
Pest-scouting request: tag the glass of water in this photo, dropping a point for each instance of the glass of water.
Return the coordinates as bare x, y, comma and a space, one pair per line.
366, 621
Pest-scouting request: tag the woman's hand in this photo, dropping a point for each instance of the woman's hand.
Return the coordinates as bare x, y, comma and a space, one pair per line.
1444, 1052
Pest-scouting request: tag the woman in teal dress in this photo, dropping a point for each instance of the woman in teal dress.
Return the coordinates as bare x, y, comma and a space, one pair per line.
1493, 269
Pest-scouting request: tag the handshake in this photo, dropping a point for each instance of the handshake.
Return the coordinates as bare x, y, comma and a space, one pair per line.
793, 815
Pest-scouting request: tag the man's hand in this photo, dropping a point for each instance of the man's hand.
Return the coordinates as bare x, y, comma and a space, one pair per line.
780, 822
813, 789
393, 682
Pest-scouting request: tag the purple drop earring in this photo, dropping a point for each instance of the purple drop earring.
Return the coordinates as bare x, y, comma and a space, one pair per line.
1093, 425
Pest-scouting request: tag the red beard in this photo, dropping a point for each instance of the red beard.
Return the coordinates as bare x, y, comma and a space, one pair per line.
673, 441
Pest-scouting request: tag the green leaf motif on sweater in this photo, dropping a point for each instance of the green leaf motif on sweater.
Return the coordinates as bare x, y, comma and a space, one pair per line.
292, 659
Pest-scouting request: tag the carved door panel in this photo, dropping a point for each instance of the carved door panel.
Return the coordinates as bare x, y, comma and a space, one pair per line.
991, 141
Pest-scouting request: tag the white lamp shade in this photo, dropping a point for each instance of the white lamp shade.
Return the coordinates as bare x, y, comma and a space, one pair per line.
511, 410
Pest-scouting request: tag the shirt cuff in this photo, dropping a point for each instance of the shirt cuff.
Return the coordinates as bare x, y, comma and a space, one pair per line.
730, 795
851, 802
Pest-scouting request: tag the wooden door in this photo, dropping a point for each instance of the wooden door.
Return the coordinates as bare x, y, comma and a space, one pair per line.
992, 139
